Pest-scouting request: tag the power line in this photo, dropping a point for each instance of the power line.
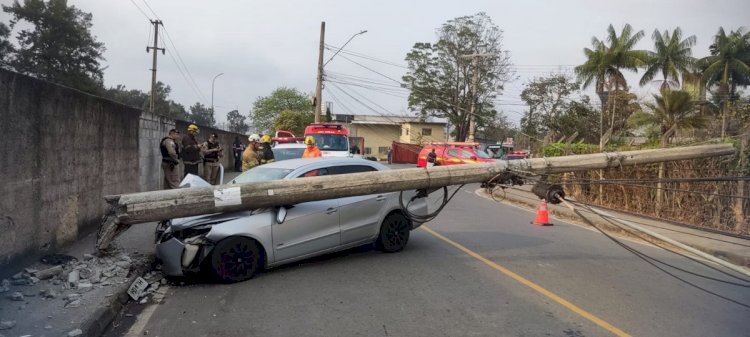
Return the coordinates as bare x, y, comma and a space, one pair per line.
140, 10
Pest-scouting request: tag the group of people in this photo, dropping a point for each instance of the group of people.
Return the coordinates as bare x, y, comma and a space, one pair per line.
258, 151
175, 148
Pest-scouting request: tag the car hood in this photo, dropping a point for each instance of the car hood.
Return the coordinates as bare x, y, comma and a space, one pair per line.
183, 223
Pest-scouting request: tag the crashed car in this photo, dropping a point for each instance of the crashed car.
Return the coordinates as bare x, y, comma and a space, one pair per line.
235, 246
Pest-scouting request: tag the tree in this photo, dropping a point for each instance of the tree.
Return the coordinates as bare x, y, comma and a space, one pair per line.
497, 128
132, 97
672, 111
672, 57
237, 122
579, 117
728, 66
266, 109
547, 97
59, 46
440, 74
294, 121
6, 48
604, 64
201, 115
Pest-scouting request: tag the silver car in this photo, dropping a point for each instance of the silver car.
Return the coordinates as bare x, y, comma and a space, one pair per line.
234, 246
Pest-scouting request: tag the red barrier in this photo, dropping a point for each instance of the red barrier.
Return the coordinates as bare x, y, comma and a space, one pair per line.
404, 153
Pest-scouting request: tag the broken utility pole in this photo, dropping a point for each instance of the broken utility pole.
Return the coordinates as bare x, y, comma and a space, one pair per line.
129, 209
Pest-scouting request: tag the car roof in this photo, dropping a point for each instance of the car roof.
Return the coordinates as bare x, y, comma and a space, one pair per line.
290, 146
293, 164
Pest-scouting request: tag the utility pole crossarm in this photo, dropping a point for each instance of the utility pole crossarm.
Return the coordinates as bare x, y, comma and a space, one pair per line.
128, 209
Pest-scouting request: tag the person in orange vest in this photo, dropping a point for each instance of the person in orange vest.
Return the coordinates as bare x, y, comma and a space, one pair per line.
311, 151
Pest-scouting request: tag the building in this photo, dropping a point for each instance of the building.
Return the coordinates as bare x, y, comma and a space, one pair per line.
376, 134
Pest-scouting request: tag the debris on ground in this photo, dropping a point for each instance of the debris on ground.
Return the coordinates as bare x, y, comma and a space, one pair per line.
57, 259
5, 325
16, 296
74, 333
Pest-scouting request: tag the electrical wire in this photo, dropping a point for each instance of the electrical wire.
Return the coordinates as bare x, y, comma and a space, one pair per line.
650, 260
140, 10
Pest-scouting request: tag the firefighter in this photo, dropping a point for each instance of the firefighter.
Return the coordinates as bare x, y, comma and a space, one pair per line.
212, 152
191, 151
311, 151
250, 155
170, 159
265, 154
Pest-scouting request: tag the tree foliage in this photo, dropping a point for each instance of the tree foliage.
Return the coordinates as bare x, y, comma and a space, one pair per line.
440, 74
294, 121
497, 128
6, 47
58, 46
267, 109
237, 122
605, 62
672, 57
671, 112
547, 97
139, 99
201, 115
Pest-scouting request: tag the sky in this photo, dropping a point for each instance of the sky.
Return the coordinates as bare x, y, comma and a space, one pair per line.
263, 45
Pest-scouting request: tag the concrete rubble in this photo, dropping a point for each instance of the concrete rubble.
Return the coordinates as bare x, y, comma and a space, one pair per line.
68, 284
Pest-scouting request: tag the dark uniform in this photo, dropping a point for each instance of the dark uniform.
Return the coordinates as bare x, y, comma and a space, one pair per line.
265, 153
191, 154
170, 160
211, 163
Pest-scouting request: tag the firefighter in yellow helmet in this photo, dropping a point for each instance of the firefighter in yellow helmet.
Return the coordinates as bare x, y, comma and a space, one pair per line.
265, 154
311, 151
191, 151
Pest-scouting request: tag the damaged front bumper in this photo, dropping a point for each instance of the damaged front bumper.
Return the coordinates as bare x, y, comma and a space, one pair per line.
183, 251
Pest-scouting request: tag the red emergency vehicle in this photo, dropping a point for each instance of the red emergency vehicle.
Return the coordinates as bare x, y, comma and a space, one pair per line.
331, 138
453, 153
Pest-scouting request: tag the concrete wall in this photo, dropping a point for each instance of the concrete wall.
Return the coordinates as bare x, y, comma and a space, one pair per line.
62, 151
152, 128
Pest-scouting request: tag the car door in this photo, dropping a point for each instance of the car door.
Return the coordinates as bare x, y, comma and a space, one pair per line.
452, 157
360, 215
309, 227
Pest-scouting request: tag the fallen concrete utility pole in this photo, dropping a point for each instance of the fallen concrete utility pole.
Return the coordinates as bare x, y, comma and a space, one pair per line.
129, 209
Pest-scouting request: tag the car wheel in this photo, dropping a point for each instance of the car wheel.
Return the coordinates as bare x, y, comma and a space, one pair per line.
235, 259
394, 233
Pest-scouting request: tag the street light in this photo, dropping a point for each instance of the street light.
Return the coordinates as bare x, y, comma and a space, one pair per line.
212, 91
342, 47
319, 85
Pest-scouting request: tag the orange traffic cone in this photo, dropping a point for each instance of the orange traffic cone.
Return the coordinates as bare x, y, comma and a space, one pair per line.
542, 215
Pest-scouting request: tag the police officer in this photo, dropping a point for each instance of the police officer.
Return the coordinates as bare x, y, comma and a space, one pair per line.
212, 151
170, 159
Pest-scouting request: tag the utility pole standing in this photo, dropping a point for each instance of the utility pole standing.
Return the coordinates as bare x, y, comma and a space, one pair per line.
474, 80
474, 86
155, 48
319, 86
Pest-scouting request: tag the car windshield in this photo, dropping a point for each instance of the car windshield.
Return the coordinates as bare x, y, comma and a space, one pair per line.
260, 173
482, 154
287, 153
332, 142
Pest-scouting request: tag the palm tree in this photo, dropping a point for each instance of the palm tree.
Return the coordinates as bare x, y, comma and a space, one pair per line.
604, 63
672, 56
672, 111
728, 64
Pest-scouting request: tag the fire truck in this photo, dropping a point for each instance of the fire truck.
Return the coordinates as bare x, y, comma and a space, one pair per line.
331, 138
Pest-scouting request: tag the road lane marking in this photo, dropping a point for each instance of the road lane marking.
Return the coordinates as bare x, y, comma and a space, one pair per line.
570, 306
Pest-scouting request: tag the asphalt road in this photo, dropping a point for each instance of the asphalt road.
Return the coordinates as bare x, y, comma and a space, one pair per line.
500, 276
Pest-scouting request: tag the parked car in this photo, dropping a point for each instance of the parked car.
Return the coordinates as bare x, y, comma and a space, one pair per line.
234, 246
453, 153
286, 151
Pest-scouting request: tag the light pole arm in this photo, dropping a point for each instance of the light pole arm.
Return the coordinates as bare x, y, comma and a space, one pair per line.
212, 91
342, 47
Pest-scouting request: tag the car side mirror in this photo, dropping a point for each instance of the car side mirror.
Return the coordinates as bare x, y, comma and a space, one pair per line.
281, 215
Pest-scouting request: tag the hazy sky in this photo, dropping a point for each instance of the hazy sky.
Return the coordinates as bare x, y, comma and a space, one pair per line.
261, 45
